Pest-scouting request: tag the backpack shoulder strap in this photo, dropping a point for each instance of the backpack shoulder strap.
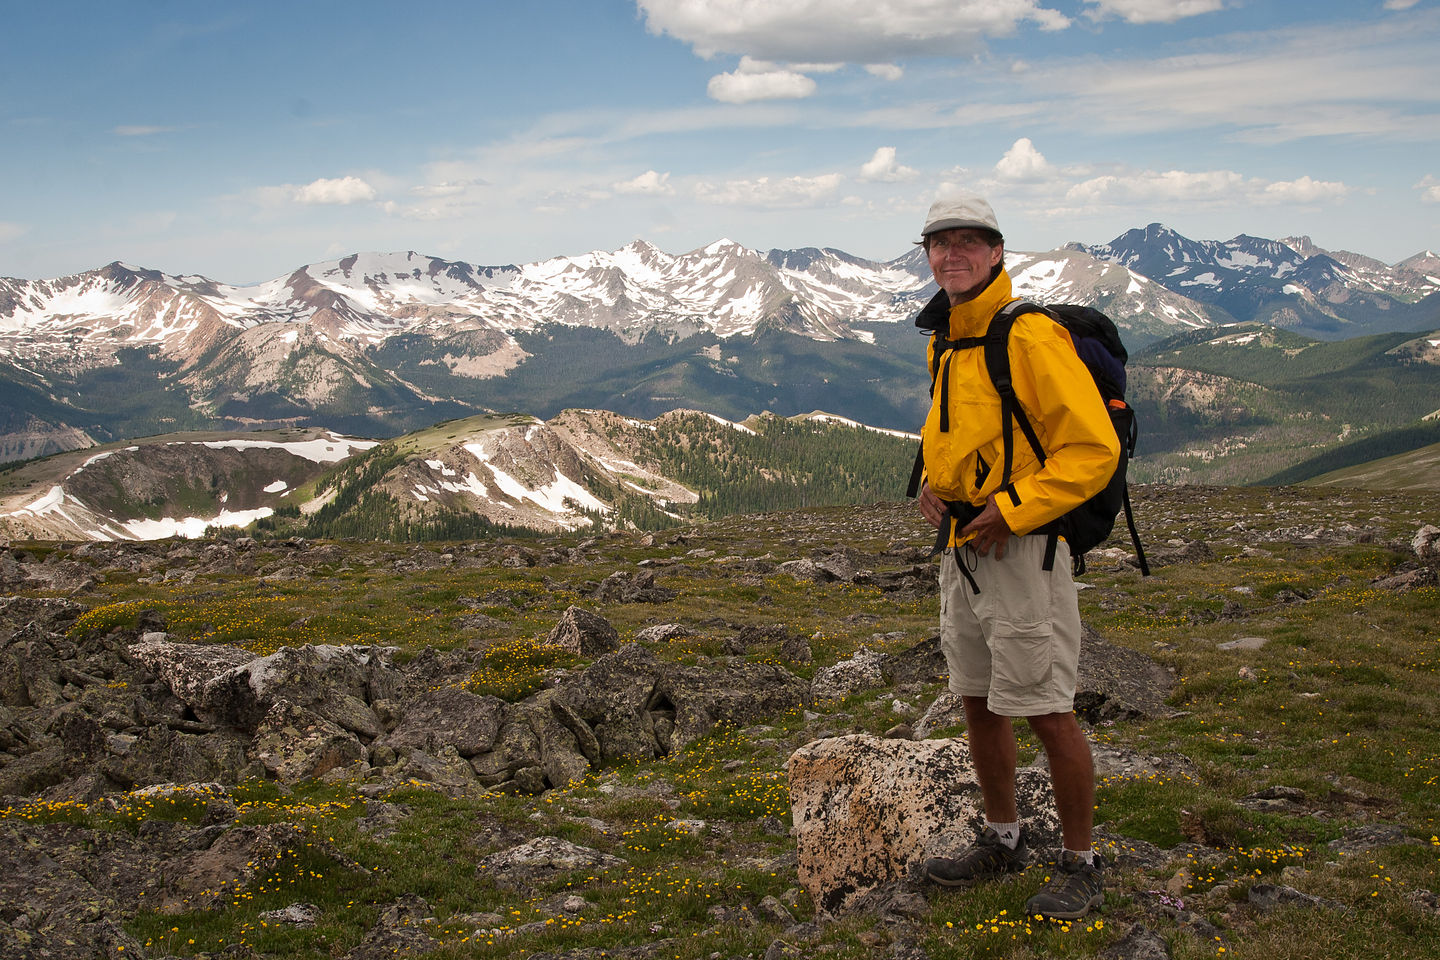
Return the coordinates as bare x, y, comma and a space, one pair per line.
997, 364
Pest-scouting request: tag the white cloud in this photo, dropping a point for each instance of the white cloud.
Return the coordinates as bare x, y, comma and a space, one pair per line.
1305, 190
139, 131
427, 213
1023, 163
852, 31
1429, 188
1152, 11
445, 188
1365, 79
758, 80
885, 71
649, 182
1151, 187
883, 168
1400, 4
11, 231
767, 193
342, 190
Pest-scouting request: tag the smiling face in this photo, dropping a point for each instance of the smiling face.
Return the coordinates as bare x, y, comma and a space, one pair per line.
962, 260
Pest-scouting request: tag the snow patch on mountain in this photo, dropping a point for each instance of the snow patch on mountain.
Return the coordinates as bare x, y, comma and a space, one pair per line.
329, 450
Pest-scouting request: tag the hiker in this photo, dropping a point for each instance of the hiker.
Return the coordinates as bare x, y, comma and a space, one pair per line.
1009, 618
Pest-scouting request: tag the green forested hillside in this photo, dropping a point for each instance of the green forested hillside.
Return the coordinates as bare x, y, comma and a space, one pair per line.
778, 463
1244, 403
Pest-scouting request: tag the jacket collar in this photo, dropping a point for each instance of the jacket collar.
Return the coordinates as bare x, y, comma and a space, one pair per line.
968, 319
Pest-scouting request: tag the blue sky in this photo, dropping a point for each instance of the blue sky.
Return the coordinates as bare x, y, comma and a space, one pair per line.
242, 140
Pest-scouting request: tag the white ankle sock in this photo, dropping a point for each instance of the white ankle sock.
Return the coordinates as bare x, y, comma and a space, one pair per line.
1009, 833
1087, 855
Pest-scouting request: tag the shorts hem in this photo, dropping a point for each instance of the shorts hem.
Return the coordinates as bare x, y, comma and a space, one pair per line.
1004, 709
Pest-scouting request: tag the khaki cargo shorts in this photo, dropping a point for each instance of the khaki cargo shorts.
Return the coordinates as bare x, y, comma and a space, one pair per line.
1016, 642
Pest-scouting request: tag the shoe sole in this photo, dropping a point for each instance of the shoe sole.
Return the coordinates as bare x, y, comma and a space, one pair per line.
977, 878
1095, 901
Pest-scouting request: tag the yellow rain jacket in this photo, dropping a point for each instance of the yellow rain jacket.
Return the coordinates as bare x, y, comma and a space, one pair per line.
1058, 396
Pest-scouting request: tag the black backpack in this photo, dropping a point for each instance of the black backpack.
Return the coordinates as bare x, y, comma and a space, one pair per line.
1098, 344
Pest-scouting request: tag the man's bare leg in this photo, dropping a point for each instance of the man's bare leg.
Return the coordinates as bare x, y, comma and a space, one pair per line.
1072, 773
992, 751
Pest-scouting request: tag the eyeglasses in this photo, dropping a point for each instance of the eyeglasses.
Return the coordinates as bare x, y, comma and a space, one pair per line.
963, 242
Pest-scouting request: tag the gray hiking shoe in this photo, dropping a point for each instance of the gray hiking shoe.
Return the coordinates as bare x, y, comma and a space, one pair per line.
985, 859
1074, 888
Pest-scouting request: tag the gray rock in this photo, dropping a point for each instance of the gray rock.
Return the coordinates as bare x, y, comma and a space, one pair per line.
663, 633
296, 744
1243, 643
771, 910
447, 717
186, 668
948, 710
295, 915
400, 931
640, 707
1406, 580
1268, 896
1371, 837
1117, 683
584, 634
632, 588
541, 860
863, 671
1138, 943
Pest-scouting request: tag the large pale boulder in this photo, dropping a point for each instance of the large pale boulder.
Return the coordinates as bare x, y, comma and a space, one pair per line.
230, 686
1426, 542
869, 811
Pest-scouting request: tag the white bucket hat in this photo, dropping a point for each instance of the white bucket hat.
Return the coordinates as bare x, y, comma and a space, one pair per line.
954, 213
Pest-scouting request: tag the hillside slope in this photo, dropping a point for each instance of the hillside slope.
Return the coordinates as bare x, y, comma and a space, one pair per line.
584, 469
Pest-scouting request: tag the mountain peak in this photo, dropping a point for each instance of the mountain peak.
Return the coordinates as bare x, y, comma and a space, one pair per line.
727, 246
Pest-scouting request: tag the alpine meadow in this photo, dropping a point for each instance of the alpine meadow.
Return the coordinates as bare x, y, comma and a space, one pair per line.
462, 491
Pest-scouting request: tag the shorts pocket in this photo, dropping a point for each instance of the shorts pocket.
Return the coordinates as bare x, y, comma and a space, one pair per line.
1022, 657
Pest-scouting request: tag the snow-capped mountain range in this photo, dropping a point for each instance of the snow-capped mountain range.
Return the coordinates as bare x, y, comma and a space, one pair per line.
724, 288
376, 344
1289, 282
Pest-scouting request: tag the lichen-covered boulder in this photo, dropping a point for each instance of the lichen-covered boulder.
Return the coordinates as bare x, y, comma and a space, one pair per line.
297, 744
869, 811
863, 671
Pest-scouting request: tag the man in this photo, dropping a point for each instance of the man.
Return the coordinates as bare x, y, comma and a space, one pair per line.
1010, 629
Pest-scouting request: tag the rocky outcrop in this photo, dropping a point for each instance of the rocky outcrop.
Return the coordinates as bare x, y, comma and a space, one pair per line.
639, 706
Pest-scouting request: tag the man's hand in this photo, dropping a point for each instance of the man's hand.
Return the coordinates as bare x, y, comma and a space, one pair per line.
990, 529
932, 508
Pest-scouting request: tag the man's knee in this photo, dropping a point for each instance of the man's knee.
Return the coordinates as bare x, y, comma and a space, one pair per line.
1057, 730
